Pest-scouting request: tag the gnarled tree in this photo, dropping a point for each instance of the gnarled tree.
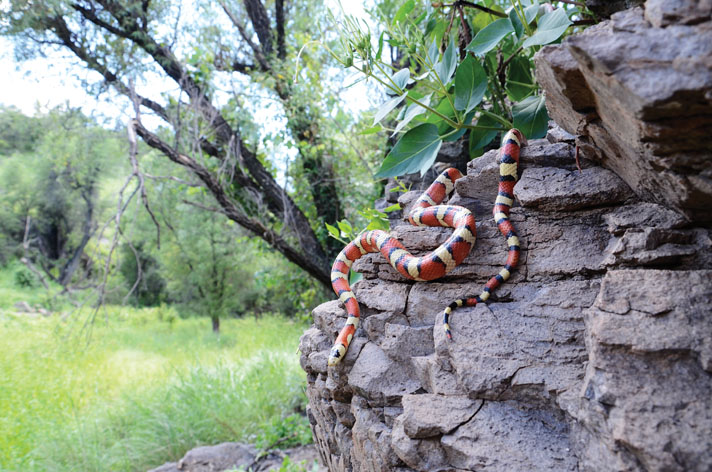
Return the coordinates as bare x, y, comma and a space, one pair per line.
204, 129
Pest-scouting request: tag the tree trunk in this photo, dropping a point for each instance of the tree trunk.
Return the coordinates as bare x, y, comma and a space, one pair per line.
216, 324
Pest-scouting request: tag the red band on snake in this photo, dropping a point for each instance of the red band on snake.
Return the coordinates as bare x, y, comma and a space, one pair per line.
428, 212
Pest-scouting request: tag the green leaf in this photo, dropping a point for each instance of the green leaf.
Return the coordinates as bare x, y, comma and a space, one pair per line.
394, 207
433, 52
412, 111
387, 107
516, 23
519, 71
470, 84
345, 227
446, 66
444, 108
400, 78
429, 27
354, 277
551, 27
530, 117
415, 151
380, 46
333, 231
371, 130
530, 12
480, 138
421, 17
489, 36
403, 11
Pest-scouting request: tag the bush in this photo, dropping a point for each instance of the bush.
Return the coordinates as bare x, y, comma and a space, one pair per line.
25, 278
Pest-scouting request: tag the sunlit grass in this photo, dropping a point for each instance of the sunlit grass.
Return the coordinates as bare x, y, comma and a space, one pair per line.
147, 386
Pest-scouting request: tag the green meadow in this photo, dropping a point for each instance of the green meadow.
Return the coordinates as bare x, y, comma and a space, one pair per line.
134, 388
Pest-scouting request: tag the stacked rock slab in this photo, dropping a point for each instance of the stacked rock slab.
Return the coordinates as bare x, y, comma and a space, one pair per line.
595, 355
638, 87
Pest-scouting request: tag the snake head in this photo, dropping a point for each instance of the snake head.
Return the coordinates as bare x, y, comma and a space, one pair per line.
520, 136
337, 353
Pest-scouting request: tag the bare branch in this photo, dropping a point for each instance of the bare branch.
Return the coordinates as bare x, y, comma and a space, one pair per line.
303, 259
279, 14
259, 56
260, 23
133, 152
26, 249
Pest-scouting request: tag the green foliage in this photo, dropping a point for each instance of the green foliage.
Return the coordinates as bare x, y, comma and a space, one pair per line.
284, 433
150, 289
147, 388
25, 278
494, 88
51, 176
414, 152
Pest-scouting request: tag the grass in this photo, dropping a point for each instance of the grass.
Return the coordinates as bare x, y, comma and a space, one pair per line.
146, 388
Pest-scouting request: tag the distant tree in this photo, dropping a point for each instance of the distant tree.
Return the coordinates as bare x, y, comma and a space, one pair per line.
49, 182
207, 131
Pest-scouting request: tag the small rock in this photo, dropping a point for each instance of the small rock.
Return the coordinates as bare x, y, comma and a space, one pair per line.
552, 189
217, 458
24, 307
643, 215
427, 415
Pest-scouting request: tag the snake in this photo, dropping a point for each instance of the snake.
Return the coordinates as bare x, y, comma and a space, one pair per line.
428, 211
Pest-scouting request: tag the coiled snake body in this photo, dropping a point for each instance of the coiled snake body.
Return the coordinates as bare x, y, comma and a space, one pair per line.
428, 212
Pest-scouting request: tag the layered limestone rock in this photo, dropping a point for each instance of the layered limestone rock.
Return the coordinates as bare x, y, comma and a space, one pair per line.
638, 90
595, 355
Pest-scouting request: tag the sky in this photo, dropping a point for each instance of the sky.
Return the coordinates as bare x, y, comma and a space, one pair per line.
44, 83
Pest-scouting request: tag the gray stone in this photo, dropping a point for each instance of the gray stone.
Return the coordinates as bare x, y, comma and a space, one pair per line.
643, 95
643, 215
589, 357
436, 374
400, 342
647, 393
634, 309
381, 296
662, 13
217, 458
650, 247
557, 134
427, 415
552, 189
376, 377
503, 436
530, 347
424, 455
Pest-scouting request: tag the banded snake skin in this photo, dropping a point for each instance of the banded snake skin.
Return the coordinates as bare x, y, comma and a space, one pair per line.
428, 211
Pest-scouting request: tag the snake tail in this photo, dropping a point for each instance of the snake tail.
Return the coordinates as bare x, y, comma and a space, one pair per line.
427, 211
508, 168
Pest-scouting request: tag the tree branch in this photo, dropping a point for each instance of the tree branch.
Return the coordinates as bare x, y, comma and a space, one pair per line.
261, 24
304, 260
279, 14
259, 56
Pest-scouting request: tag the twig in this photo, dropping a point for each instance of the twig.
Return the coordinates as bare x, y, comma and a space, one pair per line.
465, 3
501, 68
133, 151
203, 207
573, 2
25, 259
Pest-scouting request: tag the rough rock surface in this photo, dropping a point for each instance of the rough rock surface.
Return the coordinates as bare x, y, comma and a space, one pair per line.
595, 355
233, 455
638, 90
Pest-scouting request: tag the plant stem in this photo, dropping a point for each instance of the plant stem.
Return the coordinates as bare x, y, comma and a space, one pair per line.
496, 117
